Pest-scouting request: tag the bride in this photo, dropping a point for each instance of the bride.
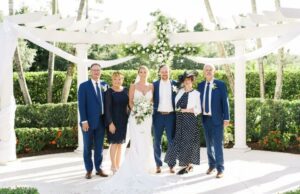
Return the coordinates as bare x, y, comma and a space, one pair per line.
136, 174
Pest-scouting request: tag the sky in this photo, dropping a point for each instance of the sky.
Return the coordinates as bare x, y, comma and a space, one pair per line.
189, 12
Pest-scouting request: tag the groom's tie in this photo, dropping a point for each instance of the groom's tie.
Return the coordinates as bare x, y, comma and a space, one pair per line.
207, 98
99, 97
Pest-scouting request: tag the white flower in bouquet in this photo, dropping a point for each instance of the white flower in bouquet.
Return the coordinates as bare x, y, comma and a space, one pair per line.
142, 109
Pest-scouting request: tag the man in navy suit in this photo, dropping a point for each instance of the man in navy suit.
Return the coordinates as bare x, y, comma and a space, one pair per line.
91, 110
215, 118
164, 115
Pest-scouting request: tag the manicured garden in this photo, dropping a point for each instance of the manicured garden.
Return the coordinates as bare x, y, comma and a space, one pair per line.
271, 125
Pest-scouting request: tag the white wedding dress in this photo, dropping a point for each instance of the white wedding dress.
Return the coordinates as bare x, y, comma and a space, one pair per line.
136, 174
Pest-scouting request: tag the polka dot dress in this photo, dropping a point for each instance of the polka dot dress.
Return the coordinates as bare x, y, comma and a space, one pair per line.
186, 144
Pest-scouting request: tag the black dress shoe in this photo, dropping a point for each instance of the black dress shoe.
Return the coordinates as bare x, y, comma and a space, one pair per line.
101, 173
88, 175
183, 171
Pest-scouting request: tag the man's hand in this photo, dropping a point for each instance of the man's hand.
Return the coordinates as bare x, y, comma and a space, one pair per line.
226, 124
112, 128
85, 126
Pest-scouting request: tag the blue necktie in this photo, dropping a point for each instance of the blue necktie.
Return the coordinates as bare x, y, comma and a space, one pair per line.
99, 96
207, 98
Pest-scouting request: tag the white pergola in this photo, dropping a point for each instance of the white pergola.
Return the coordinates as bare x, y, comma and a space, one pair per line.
84, 33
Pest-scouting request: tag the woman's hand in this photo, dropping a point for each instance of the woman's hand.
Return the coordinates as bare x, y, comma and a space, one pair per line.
187, 110
112, 128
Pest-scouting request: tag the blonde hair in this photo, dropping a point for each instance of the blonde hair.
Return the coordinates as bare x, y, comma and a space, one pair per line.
143, 67
117, 74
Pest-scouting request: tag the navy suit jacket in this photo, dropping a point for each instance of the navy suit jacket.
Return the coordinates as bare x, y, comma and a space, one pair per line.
219, 101
156, 85
90, 105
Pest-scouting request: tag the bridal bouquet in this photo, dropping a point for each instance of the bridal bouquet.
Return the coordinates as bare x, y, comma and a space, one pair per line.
142, 108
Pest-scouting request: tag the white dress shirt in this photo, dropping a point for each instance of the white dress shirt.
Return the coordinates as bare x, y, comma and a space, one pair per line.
99, 85
211, 83
165, 97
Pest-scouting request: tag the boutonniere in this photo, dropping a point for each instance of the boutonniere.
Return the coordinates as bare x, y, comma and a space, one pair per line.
104, 88
214, 86
174, 89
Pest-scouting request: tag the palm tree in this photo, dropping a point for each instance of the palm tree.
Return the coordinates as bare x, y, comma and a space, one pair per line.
19, 66
220, 45
260, 60
80, 9
280, 62
71, 67
51, 60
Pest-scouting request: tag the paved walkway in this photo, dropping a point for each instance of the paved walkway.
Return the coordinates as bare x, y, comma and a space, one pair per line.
246, 172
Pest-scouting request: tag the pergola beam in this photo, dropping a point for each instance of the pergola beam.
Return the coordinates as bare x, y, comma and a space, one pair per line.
26, 18
87, 37
234, 34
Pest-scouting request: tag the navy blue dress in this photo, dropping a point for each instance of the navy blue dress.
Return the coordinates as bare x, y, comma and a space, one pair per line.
186, 143
116, 111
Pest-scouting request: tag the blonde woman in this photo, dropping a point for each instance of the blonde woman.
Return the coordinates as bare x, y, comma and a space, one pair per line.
116, 117
136, 174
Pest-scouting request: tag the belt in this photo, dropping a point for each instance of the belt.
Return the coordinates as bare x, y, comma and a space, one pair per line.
165, 113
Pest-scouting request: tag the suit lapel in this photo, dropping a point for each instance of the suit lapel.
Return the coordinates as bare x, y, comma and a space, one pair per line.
93, 90
157, 95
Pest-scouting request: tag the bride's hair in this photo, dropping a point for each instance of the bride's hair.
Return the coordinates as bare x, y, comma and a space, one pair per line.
143, 67
137, 79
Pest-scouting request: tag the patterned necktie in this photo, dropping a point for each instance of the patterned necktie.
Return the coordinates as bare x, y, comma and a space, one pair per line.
99, 97
207, 98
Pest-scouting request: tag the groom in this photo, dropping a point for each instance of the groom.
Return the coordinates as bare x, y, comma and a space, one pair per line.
164, 115
215, 118
91, 109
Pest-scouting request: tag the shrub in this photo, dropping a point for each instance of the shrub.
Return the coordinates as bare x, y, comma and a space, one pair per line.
37, 84
30, 140
19, 190
46, 115
275, 140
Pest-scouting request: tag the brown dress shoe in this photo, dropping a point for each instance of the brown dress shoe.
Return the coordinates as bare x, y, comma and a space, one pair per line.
158, 170
210, 171
172, 171
101, 173
220, 175
88, 175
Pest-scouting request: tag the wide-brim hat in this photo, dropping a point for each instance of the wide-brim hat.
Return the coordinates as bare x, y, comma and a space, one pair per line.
187, 74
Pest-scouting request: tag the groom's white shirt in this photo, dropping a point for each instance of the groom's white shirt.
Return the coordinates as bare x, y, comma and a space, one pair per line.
165, 97
193, 100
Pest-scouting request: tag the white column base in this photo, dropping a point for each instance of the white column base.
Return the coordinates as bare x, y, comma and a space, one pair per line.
8, 149
241, 148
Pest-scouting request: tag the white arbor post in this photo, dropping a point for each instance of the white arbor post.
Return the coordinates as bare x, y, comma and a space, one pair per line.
240, 98
82, 75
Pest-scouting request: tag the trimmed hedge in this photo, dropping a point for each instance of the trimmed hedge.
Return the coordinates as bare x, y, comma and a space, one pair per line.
19, 190
46, 115
262, 117
37, 84
30, 140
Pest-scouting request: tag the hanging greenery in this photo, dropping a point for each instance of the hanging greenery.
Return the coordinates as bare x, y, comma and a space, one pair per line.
161, 52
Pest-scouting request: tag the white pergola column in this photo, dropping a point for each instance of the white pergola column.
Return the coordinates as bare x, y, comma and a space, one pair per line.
240, 98
82, 76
